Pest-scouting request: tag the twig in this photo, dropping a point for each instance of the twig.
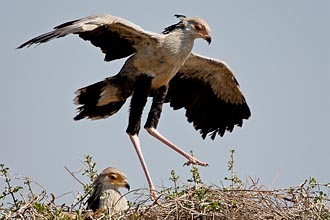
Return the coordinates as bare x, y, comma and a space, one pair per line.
72, 174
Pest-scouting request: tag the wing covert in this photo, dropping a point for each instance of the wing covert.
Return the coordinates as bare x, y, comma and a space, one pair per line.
209, 92
115, 36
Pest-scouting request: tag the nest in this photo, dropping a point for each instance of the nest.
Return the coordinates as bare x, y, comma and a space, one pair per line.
212, 202
202, 202
190, 200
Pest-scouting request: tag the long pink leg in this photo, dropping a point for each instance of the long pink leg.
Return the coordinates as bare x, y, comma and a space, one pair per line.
191, 160
136, 143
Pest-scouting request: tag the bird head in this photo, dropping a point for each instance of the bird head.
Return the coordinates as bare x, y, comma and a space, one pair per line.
198, 27
112, 178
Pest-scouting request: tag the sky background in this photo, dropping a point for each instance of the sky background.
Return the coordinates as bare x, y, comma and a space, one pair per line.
278, 50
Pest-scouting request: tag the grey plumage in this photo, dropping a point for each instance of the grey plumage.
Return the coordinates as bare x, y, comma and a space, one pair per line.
161, 65
106, 195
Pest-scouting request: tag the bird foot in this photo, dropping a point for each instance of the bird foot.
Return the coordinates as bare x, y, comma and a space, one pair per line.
154, 196
194, 161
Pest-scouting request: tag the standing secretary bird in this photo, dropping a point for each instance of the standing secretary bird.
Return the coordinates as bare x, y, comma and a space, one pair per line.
162, 66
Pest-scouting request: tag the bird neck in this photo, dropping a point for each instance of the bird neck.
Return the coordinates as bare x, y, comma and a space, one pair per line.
180, 41
106, 187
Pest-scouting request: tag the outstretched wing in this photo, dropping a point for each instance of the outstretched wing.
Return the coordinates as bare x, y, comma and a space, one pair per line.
116, 36
209, 92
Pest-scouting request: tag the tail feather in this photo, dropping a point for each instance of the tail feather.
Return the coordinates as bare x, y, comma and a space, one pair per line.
102, 99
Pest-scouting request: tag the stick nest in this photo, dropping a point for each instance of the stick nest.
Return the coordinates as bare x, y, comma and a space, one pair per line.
197, 202
191, 199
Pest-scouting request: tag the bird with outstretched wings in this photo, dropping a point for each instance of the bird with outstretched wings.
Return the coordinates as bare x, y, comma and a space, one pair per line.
160, 65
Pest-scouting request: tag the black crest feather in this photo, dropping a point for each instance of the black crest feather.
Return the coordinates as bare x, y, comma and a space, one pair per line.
179, 16
176, 26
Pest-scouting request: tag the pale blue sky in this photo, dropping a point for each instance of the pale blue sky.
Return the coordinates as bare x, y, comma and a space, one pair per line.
278, 50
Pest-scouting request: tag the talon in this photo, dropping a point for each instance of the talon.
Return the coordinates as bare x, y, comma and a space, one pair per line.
187, 163
154, 196
194, 161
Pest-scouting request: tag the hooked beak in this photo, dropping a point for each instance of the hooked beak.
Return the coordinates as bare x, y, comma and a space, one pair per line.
127, 186
208, 39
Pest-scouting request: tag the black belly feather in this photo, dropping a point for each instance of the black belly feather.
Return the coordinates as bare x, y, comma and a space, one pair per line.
88, 97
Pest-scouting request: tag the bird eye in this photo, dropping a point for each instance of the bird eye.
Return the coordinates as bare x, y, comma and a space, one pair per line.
113, 177
199, 27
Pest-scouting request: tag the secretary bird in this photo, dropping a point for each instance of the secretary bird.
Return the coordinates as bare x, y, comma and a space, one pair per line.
106, 196
161, 66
